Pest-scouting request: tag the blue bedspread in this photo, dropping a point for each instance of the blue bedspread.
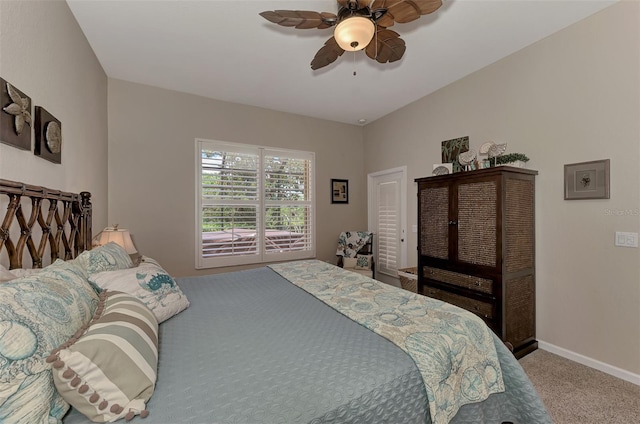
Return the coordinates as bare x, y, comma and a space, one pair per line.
253, 348
452, 348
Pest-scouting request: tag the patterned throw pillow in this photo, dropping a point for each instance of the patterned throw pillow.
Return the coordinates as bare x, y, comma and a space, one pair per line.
363, 262
149, 283
109, 372
109, 257
38, 313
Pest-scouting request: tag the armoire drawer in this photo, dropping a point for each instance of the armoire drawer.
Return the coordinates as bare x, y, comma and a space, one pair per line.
471, 282
478, 307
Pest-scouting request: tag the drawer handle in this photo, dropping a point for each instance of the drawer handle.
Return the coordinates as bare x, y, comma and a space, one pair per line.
476, 307
477, 283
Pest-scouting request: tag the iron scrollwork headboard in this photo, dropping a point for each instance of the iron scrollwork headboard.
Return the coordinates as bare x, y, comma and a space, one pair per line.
59, 228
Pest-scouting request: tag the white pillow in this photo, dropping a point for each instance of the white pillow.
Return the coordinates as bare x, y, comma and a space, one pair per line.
349, 263
149, 283
6, 275
25, 272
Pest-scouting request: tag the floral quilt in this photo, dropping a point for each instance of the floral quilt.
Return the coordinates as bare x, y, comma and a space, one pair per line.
452, 348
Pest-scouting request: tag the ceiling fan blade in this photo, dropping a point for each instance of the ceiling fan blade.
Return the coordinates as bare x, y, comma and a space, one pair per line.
327, 54
403, 11
301, 19
390, 47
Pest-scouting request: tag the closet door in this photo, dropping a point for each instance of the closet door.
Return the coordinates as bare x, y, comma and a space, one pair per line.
387, 199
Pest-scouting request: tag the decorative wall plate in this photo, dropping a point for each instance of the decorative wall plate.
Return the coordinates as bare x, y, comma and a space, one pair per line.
48, 136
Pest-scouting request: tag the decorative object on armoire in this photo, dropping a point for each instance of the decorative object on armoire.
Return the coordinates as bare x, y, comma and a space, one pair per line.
496, 150
467, 159
587, 180
484, 149
518, 160
357, 23
476, 248
48, 136
15, 119
442, 168
339, 191
451, 149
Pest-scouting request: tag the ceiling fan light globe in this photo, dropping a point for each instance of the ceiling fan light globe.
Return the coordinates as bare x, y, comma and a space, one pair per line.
354, 33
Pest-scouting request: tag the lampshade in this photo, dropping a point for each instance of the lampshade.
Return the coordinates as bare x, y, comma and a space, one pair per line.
119, 236
354, 33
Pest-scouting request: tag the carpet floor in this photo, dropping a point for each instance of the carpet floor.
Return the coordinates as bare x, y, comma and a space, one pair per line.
574, 393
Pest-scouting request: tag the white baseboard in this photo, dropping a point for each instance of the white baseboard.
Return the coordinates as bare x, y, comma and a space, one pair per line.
590, 362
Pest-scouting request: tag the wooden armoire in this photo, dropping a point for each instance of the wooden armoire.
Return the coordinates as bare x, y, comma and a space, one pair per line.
476, 248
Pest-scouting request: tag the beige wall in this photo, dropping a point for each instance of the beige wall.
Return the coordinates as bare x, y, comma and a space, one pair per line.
44, 53
152, 136
571, 97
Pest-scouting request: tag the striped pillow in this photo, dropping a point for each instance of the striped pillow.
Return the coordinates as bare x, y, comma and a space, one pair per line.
109, 371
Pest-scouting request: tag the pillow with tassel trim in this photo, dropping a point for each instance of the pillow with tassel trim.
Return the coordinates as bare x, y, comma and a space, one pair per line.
107, 371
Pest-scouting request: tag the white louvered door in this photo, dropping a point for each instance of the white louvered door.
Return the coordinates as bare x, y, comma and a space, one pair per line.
386, 219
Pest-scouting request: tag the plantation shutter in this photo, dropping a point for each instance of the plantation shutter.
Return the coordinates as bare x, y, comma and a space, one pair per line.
388, 228
287, 202
254, 204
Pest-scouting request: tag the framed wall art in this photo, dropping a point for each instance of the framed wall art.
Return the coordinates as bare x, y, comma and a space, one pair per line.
48, 136
587, 180
15, 116
339, 191
451, 149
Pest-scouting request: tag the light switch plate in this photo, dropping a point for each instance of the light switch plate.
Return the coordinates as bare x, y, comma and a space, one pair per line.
626, 239
414, 228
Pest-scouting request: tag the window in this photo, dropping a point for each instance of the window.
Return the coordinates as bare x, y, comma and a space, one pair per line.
254, 204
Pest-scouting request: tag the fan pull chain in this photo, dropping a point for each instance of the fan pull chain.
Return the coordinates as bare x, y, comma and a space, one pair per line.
354, 63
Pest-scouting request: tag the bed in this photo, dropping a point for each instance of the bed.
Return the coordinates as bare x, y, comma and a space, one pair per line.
299, 342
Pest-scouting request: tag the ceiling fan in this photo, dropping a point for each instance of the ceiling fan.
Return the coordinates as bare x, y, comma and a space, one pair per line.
357, 23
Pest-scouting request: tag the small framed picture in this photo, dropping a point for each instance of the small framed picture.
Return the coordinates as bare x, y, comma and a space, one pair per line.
339, 191
586, 180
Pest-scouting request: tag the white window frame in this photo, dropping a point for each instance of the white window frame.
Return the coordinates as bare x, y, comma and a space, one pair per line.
262, 256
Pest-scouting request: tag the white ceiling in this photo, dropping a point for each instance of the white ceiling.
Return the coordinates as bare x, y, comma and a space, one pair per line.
223, 49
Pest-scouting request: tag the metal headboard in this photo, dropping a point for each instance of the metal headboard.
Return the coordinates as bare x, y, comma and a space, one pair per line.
54, 224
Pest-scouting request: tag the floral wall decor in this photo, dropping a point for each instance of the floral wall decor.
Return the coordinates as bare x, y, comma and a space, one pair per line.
15, 117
